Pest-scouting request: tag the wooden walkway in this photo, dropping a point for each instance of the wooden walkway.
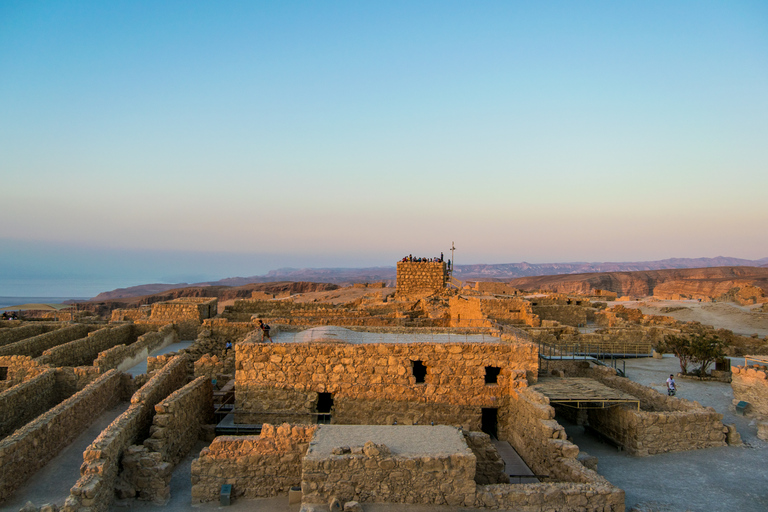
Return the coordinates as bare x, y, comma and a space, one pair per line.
513, 464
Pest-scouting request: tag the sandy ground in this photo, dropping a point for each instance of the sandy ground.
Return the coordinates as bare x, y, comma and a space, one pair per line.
743, 320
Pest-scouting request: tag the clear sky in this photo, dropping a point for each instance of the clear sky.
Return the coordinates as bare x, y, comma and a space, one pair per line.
186, 141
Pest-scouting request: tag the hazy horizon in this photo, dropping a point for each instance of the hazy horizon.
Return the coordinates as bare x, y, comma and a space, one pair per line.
174, 142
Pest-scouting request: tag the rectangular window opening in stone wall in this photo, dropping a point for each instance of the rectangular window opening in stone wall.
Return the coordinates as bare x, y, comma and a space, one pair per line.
490, 421
3, 372
419, 371
492, 374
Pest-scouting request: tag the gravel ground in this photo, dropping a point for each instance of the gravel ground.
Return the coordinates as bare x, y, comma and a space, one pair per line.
729, 478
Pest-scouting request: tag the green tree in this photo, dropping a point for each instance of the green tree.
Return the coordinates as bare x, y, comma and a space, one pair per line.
705, 350
681, 347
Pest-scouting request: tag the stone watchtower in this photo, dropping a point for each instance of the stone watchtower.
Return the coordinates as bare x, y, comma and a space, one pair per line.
420, 277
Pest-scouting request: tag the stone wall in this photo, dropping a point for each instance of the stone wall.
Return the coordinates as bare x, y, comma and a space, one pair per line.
599, 496
32, 446
384, 373
186, 308
13, 334
527, 423
495, 288
256, 466
566, 315
372, 473
175, 430
83, 351
664, 423
18, 369
751, 385
489, 468
179, 418
95, 490
123, 357
225, 328
130, 315
26, 401
472, 311
37, 345
420, 277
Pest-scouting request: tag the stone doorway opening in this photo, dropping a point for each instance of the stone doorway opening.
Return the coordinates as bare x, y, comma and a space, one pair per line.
490, 422
324, 406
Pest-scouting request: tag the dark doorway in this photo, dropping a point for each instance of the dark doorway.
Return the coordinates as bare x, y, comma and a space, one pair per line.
490, 422
3, 372
324, 403
324, 406
419, 371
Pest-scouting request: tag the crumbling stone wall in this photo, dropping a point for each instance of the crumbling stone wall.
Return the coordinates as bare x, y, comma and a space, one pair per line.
489, 468
130, 315
256, 466
568, 315
209, 366
225, 328
455, 376
32, 446
495, 288
597, 496
26, 401
371, 473
179, 418
750, 384
187, 313
95, 490
420, 277
18, 369
83, 351
36, 345
527, 423
664, 423
471, 311
175, 430
10, 335
124, 356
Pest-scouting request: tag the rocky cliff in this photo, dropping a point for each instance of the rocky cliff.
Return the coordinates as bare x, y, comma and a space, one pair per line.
702, 283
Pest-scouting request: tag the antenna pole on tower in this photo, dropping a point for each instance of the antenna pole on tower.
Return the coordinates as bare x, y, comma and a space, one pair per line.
453, 260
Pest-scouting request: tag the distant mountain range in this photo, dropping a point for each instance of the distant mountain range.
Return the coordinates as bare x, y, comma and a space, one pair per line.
481, 272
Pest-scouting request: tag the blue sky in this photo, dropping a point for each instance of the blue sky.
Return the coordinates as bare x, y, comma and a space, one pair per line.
150, 141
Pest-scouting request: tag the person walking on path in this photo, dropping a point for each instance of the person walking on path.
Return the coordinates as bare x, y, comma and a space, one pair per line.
264, 331
671, 386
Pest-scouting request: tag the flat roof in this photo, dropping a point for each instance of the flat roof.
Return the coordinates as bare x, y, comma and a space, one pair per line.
402, 440
342, 335
582, 393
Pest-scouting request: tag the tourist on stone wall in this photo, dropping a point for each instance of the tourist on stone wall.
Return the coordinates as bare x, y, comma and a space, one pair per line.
264, 331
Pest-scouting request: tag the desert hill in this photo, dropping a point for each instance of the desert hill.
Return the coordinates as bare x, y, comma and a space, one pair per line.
696, 282
483, 272
133, 297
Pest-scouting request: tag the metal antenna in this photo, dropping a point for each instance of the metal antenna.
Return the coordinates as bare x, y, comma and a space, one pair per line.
453, 260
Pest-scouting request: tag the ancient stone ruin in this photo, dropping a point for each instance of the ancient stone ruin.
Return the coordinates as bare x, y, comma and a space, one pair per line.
413, 395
